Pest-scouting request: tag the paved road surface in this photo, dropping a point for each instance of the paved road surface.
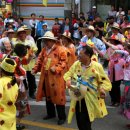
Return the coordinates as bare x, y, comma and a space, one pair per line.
114, 121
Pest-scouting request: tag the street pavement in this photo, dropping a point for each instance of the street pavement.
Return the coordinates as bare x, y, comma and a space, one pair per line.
114, 121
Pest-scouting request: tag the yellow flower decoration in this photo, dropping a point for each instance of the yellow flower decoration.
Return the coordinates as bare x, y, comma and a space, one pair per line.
123, 39
126, 33
90, 43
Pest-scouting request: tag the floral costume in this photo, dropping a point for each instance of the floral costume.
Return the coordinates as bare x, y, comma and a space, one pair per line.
8, 97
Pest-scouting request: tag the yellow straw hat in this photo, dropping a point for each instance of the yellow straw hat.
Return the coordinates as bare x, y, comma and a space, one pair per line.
23, 29
28, 30
11, 31
8, 67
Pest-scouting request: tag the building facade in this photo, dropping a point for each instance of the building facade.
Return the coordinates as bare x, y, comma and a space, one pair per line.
55, 8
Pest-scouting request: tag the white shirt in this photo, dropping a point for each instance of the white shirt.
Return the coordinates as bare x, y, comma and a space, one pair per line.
33, 23
76, 33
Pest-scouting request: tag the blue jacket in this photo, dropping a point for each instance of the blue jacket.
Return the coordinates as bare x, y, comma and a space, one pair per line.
39, 28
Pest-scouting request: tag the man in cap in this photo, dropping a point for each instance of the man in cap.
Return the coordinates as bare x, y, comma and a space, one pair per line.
93, 13
21, 39
51, 63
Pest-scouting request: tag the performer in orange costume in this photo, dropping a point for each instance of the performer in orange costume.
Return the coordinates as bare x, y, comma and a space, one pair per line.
52, 62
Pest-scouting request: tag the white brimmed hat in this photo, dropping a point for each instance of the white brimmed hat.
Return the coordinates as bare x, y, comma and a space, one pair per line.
44, 24
126, 28
22, 29
91, 28
10, 31
49, 35
28, 30
116, 26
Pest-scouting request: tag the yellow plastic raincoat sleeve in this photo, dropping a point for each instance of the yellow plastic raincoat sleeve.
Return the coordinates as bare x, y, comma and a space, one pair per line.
103, 80
1, 92
34, 47
71, 72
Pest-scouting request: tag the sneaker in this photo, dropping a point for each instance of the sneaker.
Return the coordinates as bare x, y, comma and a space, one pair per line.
61, 122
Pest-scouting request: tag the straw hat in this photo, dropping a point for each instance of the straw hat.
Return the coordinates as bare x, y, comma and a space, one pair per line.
10, 31
116, 38
22, 29
28, 30
8, 67
49, 35
91, 28
116, 26
67, 35
126, 28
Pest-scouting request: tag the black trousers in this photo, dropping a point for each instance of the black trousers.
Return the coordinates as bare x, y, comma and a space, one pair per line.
38, 45
33, 32
82, 116
31, 83
51, 110
115, 93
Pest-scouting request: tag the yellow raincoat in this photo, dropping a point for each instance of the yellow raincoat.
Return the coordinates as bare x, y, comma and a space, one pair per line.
95, 105
8, 96
33, 47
